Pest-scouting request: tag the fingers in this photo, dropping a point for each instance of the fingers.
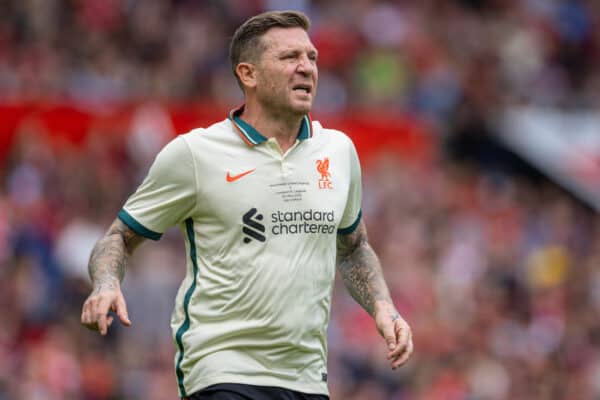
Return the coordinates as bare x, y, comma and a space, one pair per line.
389, 334
95, 326
88, 313
100, 314
107, 322
94, 314
403, 357
402, 333
85, 319
120, 307
402, 352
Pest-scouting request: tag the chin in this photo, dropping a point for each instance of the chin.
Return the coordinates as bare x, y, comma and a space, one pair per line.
302, 108
304, 111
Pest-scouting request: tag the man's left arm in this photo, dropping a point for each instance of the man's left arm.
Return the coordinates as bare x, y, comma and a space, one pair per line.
361, 272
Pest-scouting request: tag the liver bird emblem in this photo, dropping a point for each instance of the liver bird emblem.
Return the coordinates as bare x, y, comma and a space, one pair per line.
323, 168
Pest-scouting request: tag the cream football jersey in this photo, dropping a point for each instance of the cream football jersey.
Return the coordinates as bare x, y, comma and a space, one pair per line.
260, 229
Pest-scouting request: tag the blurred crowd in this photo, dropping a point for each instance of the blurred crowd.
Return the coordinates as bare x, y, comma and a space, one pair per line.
424, 55
498, 274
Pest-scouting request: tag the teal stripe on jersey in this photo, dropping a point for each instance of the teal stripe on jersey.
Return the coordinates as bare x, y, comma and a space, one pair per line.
137, 227
351, 228
189, 227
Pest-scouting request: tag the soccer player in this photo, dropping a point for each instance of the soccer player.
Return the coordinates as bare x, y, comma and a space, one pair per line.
268, 202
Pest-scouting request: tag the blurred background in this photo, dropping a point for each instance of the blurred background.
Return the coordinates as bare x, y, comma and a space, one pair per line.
477, 125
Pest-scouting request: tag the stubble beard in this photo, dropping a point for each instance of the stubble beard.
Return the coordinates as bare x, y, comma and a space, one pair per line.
278, 103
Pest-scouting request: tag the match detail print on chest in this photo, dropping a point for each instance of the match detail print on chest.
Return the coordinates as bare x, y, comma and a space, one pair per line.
313, 178
293, 177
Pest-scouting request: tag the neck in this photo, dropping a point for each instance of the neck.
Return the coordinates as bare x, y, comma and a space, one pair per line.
283, 128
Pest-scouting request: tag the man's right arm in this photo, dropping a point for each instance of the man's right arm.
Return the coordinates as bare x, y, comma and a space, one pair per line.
107, 269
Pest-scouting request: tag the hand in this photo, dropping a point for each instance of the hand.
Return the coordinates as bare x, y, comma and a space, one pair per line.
95, 316
396, 332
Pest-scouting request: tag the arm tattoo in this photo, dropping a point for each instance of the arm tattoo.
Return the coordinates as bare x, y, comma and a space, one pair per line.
360, 269
109, 257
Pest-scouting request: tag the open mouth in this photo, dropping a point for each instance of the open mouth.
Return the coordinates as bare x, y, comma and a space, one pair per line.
306, 89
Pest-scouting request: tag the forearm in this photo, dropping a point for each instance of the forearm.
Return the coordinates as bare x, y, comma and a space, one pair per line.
109, 257
361, 271
107, 263
362, 276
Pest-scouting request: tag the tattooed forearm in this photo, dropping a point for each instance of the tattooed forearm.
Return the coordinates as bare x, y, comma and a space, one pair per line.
360, 269
109, 257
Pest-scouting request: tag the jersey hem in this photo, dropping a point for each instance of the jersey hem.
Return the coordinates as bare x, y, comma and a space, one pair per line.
138, 228
307, 388
351, 228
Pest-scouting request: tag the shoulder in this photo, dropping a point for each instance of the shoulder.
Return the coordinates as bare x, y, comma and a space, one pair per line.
173, 155
331, 137
329, 134
207, 133
214, 138
176, 147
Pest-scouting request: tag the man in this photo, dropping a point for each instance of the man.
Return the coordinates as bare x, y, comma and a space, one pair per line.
266, 200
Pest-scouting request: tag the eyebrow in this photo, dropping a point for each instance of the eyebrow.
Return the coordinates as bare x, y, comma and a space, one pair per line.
295, 51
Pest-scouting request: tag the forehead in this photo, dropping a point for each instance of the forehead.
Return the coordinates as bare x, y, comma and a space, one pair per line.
281, 39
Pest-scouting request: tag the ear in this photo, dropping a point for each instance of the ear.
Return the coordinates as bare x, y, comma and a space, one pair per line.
247, 74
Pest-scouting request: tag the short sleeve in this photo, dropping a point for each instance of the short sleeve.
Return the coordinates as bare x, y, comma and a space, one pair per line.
352, 212
167, 196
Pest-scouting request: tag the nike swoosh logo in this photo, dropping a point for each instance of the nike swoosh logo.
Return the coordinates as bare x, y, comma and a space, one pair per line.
233, 178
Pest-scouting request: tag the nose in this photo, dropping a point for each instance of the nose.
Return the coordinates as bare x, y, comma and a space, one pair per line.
306, 66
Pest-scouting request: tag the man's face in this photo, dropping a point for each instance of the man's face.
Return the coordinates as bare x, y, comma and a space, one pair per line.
287, 71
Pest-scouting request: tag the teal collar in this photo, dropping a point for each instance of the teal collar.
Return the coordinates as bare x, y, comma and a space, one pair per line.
253, 137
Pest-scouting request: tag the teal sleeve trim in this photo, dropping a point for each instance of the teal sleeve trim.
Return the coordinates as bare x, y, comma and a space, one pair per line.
189, 227
351, 228
137, 227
